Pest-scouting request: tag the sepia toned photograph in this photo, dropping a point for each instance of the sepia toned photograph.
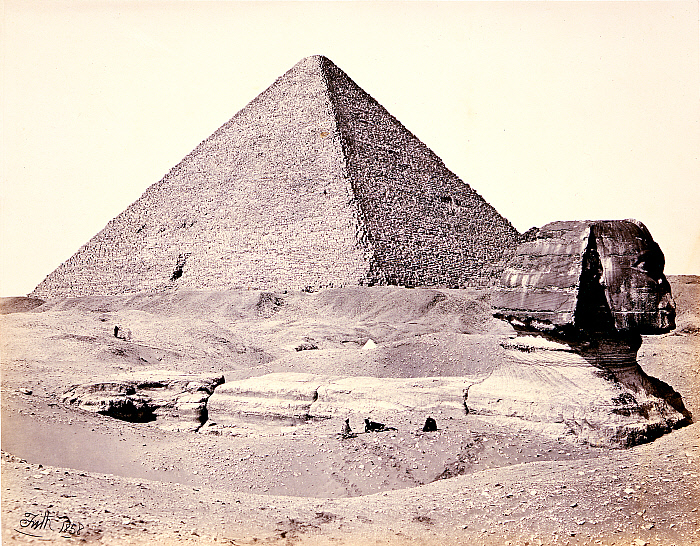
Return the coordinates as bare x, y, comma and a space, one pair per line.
350, 273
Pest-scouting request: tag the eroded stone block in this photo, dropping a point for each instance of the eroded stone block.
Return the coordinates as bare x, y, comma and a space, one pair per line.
598, 277
580, 295
176, 399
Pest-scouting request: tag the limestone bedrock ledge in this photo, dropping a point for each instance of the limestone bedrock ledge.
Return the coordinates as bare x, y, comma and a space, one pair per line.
176, 400
294, 397
549, 381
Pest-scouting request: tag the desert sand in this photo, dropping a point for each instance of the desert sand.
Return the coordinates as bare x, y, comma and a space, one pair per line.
67, 472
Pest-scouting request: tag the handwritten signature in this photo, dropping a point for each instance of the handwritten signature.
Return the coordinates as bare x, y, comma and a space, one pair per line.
41, 522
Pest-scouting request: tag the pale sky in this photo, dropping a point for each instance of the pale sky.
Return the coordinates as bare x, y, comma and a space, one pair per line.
551, 111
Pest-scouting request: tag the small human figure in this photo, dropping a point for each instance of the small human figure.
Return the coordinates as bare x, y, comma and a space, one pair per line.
373, 426
346, 432
430, 425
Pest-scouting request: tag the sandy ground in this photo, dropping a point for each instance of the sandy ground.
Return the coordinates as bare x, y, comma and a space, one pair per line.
69, 473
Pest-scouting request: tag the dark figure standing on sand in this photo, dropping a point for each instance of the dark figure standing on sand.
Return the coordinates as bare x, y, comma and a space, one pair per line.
346, 432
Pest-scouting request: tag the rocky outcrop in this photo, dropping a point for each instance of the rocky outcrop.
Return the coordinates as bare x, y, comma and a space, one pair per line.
380, 397
551, 382
580, 294
176, 400
180, 401
120, 332
277, 396
313, 184
297, 397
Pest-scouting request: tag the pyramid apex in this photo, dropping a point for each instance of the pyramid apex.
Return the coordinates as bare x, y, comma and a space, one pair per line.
311, 184
317, 59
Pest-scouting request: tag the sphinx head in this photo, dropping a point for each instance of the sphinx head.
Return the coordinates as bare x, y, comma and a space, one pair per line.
636, 290
592, 277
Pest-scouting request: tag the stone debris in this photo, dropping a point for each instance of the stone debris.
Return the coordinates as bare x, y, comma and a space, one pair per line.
307, 345
122, 333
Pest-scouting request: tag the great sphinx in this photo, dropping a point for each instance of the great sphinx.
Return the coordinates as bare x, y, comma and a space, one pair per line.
580, 295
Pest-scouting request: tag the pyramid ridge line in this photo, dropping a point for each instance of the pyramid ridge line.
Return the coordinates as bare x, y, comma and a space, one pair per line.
394, 213
173, 170
327, 63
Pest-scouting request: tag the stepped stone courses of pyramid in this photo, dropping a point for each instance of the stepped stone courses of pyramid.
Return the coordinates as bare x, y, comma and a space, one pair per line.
312, 184
428, 227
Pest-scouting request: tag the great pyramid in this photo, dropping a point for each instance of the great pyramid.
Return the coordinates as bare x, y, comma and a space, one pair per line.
313, 184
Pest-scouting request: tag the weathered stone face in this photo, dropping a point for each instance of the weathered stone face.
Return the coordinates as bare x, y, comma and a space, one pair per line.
636, 289
596, 277
178, 400
594, 390
587, 291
